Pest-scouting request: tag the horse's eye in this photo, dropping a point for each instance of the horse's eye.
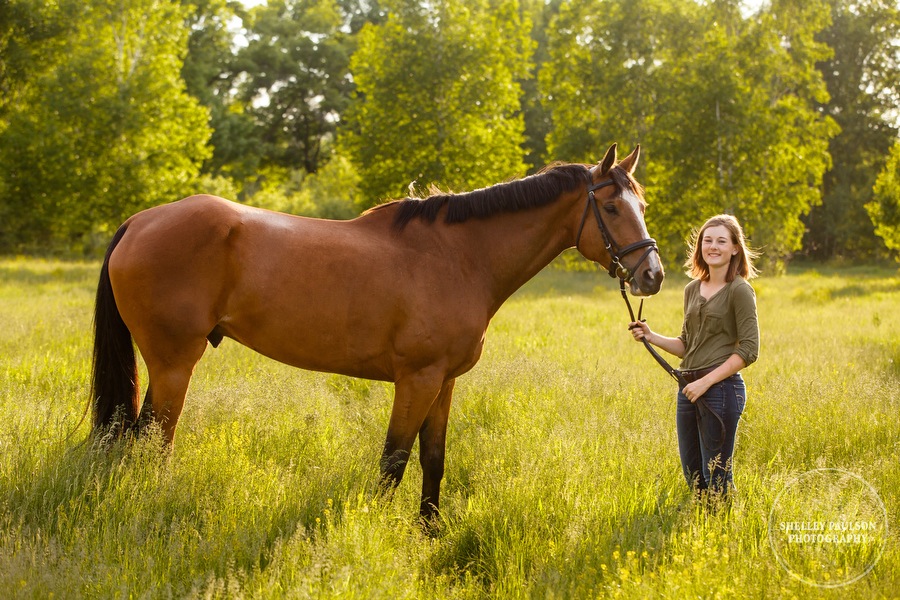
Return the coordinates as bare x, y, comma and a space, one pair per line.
611, 209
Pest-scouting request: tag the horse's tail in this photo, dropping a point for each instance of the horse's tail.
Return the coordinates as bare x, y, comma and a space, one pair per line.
114, 380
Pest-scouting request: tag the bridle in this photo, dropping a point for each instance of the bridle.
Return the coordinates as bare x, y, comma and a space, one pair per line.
616, 252
617, 269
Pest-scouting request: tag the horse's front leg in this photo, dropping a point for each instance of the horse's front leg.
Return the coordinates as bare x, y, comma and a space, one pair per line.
413, 397
432, 444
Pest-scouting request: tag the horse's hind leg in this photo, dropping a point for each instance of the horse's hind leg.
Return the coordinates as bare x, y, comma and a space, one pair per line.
169, 373
432, 443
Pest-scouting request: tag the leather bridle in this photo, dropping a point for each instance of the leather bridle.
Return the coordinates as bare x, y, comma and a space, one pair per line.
616, 252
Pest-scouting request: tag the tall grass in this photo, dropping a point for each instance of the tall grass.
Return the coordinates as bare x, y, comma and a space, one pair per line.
562, 476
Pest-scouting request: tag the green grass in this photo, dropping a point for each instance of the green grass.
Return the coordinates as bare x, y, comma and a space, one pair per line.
562, 476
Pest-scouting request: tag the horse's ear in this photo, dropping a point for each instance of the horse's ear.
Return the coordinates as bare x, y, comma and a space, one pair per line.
629, 163
609, 161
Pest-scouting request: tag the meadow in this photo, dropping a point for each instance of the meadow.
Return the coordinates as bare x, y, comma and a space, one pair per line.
562, 476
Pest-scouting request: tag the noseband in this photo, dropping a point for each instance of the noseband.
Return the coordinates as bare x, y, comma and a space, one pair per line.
616, 252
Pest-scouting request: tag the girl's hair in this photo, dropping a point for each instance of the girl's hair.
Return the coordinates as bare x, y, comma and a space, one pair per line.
741, 263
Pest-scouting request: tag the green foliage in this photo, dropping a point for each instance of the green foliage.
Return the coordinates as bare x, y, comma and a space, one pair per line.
537, 122
884, 209
779, 154
209, 60
32, 33
597, 82
562, 476
330, 193
210, 72
725, 106
863, 79
105, 130
784, 117
294, 79
452, 118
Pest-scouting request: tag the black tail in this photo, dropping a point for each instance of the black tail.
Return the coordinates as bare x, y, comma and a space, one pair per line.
114, 382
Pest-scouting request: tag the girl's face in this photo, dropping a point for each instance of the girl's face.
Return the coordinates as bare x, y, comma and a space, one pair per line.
716, 246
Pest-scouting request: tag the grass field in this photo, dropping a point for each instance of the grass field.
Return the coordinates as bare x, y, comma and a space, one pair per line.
562, 476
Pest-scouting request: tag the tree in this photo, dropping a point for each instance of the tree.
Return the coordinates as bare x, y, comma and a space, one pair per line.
294, 79
787, 136
437, 98
276, 87
329, 193
597, 85
104, 131
31, 35
210, 73
884, 209
863, 79
724, 104
537, 122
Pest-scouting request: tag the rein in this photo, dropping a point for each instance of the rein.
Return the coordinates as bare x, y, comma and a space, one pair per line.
625, 275
675, 373
704, 413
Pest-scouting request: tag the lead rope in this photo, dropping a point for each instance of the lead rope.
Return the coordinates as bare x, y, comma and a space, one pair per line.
703, 410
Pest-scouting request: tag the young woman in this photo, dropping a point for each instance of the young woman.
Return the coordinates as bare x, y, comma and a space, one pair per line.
719, 337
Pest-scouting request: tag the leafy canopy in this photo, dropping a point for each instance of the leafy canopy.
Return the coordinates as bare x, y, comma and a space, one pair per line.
437, 96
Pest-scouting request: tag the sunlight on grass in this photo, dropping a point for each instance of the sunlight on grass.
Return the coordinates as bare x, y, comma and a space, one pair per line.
562, 476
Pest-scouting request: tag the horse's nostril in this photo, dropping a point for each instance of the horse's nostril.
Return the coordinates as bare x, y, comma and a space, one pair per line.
652, 280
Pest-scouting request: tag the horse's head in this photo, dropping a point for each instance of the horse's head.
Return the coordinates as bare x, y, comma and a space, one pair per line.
612, 231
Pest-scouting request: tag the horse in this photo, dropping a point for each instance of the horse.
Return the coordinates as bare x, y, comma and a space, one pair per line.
403, 293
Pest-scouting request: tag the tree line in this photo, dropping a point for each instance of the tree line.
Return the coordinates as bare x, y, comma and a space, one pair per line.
785, 115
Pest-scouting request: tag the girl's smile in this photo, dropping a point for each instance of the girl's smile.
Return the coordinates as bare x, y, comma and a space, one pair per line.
717, 247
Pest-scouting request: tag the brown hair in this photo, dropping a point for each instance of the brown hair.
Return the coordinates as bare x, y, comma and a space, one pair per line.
741, 263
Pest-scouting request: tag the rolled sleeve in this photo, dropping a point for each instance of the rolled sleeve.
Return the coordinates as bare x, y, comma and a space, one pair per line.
747, 323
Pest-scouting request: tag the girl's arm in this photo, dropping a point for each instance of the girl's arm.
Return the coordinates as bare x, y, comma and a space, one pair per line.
694, 390
671, 345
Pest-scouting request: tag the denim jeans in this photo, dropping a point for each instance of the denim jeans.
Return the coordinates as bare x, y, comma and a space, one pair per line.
703, 468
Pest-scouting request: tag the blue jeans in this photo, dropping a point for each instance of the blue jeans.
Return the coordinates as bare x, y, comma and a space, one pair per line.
706, 468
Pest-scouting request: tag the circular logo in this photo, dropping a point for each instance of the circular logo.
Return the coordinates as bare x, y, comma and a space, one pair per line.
828, 528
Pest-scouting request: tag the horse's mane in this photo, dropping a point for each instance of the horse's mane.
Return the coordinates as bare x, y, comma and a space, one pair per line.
529, 192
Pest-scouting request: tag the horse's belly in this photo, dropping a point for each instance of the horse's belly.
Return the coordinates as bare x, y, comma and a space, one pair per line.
325, 346
378, 339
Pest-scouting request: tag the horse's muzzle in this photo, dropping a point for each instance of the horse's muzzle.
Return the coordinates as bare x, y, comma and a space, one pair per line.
648, 281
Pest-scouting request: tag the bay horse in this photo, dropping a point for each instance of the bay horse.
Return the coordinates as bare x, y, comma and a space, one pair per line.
403, 293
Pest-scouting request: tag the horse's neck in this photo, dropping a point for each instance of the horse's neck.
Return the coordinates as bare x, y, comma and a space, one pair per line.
514, 247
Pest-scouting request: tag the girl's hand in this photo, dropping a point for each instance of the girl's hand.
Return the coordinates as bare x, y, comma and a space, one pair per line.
640, 331
695, 389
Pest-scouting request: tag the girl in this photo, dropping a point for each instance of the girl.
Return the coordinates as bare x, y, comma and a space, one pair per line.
719, 337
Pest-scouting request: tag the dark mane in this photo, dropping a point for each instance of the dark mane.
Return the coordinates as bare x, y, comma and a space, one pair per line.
530, 192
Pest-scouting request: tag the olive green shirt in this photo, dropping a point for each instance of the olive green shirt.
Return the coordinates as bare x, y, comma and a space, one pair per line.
717, 327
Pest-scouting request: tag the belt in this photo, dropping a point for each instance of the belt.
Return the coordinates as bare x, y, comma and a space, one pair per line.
694, 375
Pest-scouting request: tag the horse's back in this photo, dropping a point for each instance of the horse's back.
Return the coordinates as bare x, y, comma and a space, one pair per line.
340, 296
209, 238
